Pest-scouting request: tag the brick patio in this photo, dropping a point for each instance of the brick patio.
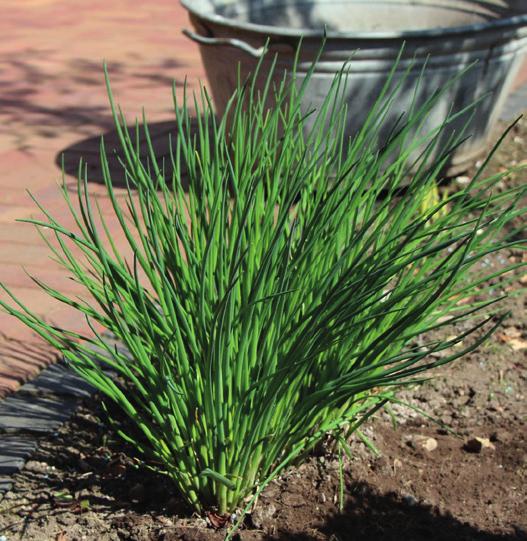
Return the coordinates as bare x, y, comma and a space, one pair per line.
52, 98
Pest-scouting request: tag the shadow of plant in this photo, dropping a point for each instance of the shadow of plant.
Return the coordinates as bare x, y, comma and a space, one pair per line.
162, 135
372, 516
40, 102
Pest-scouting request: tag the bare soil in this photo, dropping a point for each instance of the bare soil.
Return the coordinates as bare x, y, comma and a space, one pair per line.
429, 481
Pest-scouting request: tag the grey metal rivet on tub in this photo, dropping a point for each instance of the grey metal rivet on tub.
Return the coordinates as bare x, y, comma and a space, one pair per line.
446, 35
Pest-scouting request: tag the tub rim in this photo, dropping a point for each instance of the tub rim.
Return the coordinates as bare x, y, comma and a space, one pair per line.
464, 31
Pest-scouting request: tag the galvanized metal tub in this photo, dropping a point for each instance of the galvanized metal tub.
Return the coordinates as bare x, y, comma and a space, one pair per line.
447, 35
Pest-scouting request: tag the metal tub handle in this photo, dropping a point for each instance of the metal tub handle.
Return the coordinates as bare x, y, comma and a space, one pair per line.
232, 42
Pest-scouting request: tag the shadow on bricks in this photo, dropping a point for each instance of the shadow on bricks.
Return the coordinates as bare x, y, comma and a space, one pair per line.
162, 136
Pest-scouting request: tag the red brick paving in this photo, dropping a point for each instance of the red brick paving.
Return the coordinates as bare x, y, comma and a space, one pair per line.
52, 96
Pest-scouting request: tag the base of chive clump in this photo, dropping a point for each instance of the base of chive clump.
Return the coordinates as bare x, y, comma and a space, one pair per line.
278, 287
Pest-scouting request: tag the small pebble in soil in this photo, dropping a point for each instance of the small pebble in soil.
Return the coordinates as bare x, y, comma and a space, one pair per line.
476, 445
422, 443
463, 180
37, 467
409, 500
262, 514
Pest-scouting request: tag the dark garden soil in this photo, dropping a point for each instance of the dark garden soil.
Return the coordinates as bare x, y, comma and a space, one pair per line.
427, 483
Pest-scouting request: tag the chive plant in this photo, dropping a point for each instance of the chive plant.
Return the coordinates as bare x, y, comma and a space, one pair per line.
282, 284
